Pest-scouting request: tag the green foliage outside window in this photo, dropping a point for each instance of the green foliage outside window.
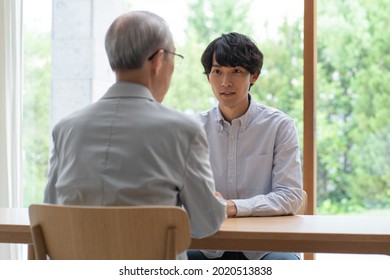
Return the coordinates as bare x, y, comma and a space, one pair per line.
36, 117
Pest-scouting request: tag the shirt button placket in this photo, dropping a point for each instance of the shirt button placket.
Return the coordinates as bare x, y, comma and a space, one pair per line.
231, 158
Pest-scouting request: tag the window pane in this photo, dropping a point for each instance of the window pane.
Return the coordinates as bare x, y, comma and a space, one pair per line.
353, 106
66, 67
36, 97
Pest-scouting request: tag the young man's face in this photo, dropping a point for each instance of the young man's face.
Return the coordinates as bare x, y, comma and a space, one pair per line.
230, 86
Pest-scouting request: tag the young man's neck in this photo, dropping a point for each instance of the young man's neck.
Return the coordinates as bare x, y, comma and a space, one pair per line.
230, 114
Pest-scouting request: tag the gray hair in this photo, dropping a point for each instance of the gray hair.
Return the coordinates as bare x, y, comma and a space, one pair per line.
133, 37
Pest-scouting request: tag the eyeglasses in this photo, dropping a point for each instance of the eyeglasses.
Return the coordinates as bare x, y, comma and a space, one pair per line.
177, 61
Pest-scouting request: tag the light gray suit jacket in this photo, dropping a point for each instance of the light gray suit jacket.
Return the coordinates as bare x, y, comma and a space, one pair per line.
127, 149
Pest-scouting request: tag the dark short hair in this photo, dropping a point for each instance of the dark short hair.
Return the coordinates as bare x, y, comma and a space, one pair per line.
233, 49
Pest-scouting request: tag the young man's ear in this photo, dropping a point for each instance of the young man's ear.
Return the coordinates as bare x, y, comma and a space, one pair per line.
254, 78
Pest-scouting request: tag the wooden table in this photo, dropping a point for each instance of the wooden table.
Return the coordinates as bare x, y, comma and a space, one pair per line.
320, 234
14, 226
302, 233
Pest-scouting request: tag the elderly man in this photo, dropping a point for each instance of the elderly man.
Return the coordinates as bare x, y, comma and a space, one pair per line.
127, 148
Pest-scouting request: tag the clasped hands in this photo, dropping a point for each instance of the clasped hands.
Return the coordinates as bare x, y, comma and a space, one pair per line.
231, 208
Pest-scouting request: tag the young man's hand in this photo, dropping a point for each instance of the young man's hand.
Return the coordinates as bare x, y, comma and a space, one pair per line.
231, 209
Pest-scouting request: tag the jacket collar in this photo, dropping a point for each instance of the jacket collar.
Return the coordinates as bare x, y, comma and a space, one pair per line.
128, 90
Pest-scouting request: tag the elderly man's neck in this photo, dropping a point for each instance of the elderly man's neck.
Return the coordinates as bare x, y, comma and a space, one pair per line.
134, 76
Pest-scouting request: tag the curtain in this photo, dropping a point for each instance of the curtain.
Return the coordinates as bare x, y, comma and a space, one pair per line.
10, 103
10, 110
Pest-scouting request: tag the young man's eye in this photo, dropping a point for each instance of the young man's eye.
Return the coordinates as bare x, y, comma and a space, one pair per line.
215, 71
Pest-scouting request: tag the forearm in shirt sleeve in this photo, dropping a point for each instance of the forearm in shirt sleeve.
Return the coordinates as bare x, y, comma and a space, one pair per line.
272, 204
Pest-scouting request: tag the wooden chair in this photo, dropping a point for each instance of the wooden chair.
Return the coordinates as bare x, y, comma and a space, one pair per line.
302, 209
93, 233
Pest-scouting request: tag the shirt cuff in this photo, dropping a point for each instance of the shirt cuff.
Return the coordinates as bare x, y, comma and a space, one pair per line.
244, 209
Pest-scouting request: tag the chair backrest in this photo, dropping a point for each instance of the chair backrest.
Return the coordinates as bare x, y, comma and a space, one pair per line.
93, 233
302, 209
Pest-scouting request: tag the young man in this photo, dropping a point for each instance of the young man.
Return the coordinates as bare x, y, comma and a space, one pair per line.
254, 150
128, 149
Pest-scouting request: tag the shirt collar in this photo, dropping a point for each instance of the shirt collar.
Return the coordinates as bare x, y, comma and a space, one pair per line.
244, 119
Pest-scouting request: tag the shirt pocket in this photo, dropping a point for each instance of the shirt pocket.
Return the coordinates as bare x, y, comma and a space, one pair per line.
255, 175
